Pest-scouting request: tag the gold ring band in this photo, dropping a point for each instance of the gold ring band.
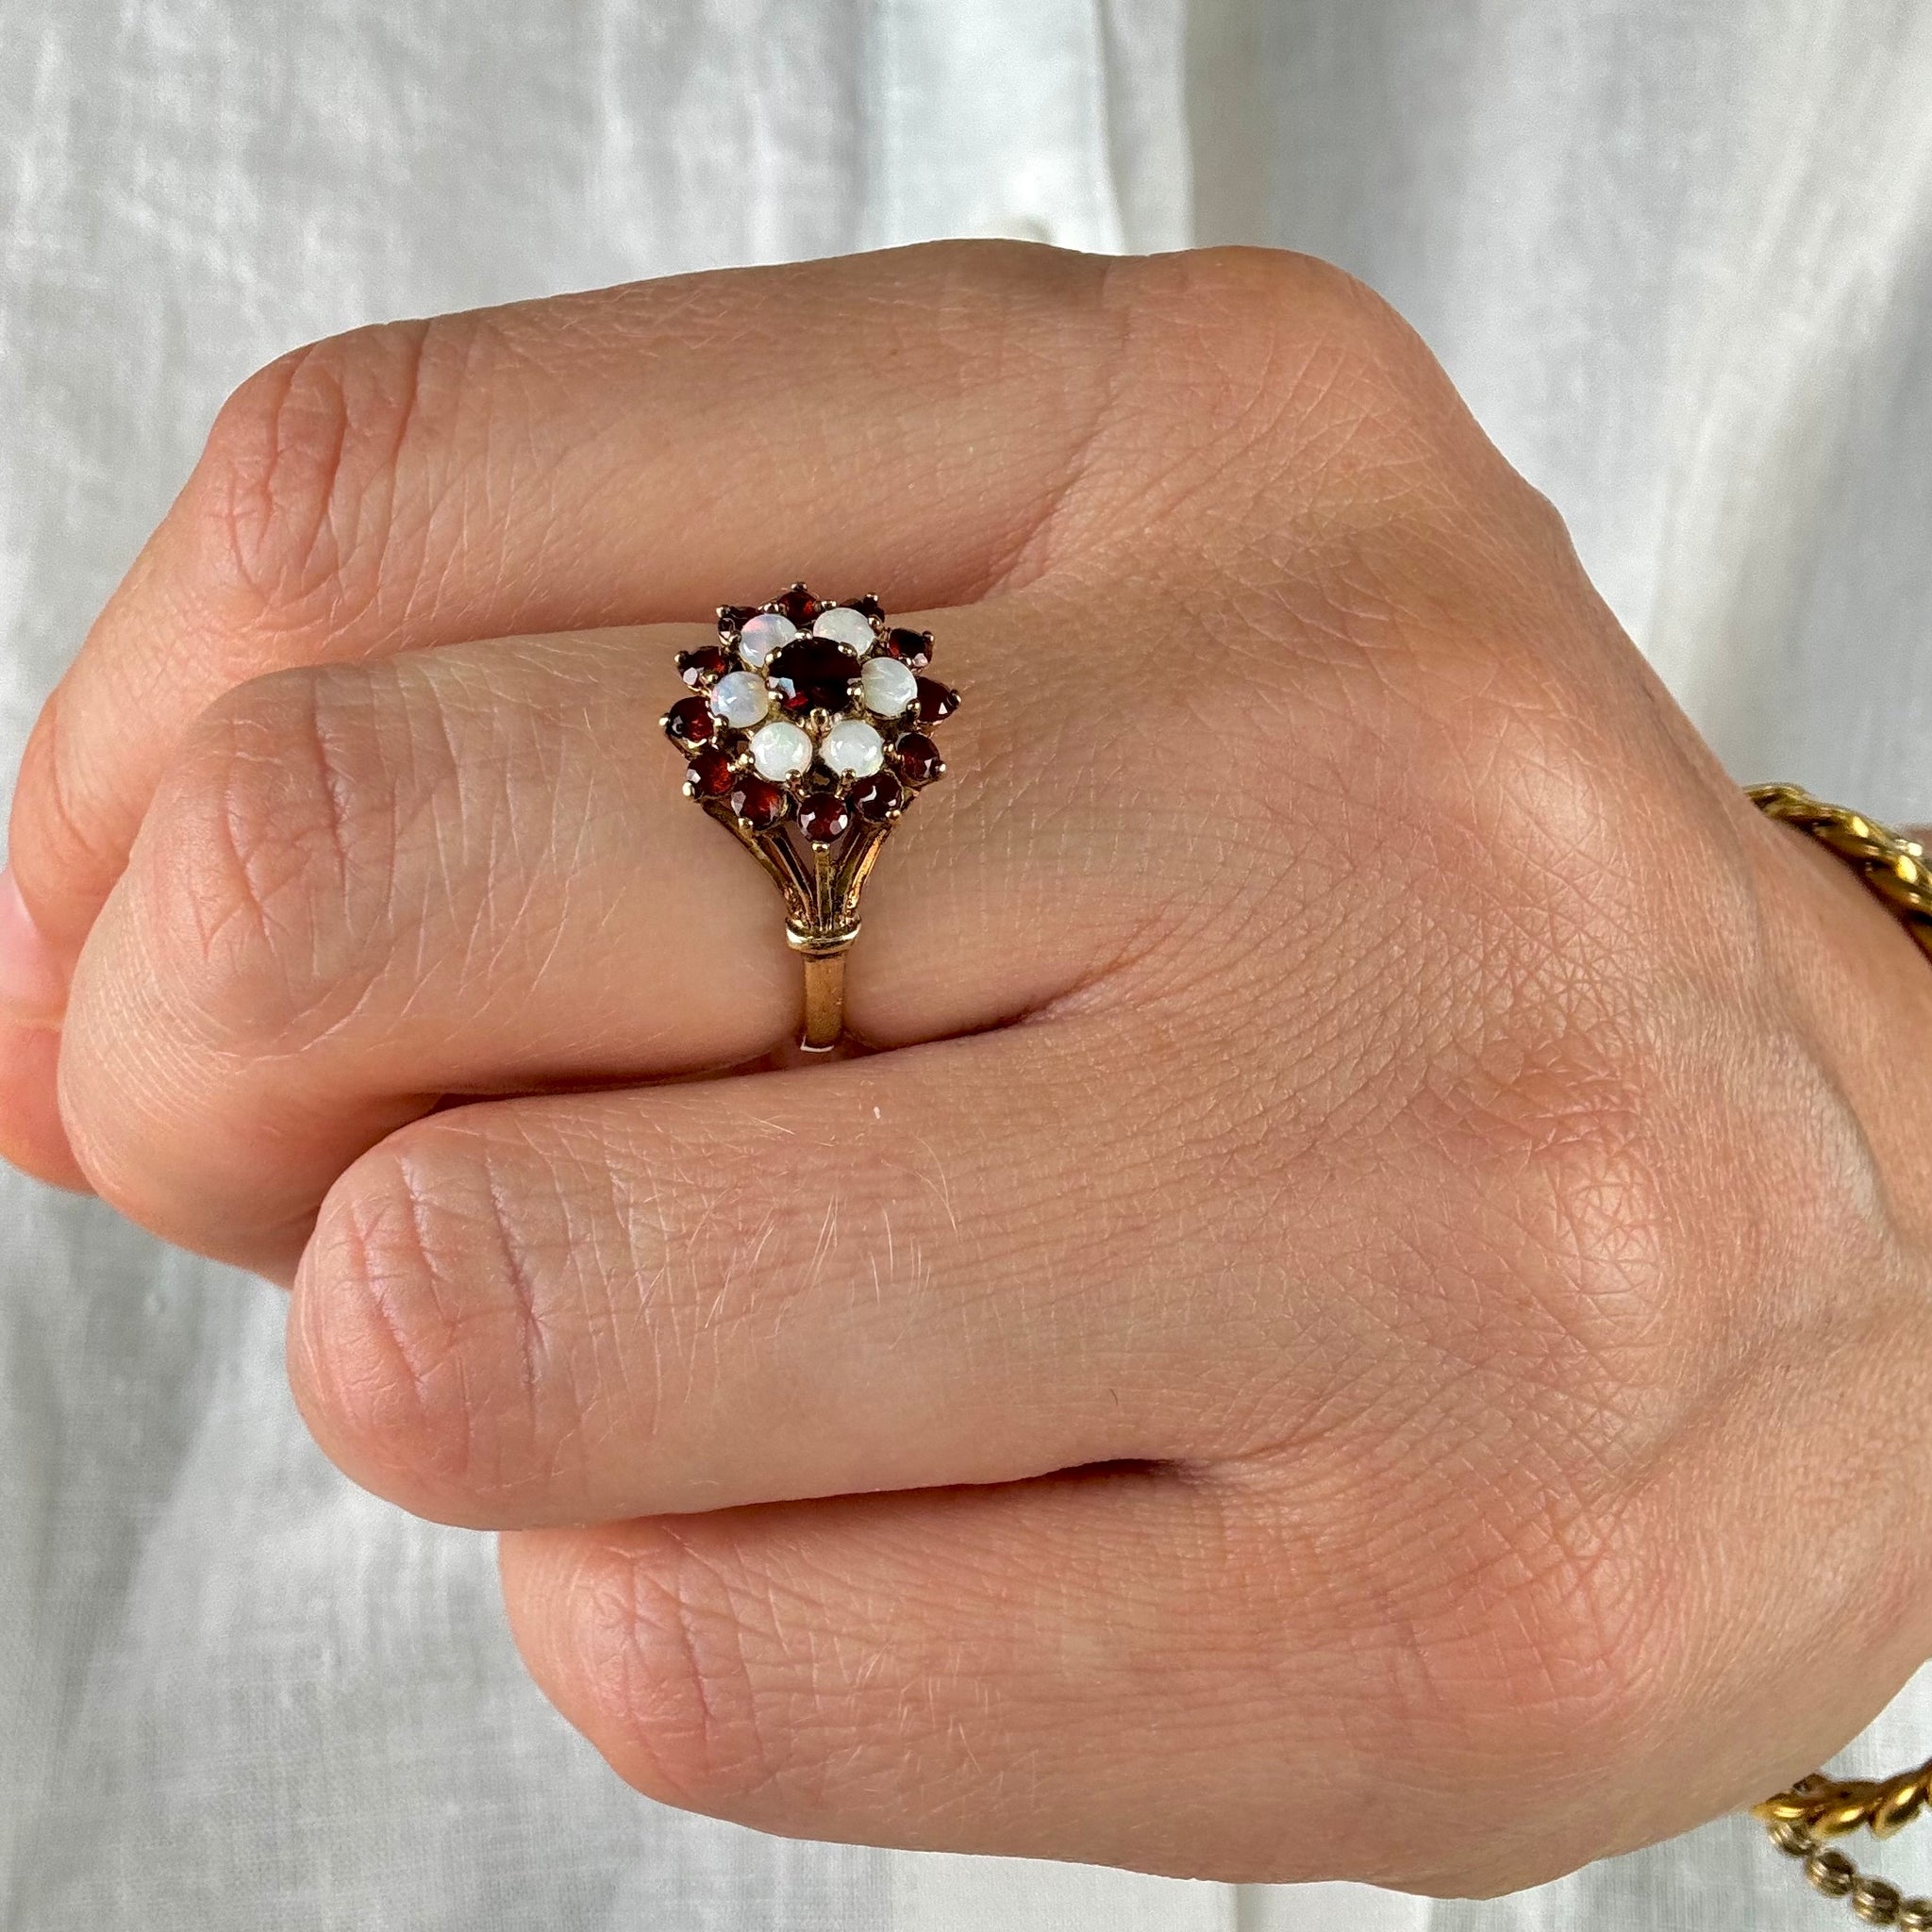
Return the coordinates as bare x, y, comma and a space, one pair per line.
806, 737
825, 988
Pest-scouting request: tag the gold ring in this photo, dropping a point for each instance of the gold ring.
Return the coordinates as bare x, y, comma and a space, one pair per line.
807, 738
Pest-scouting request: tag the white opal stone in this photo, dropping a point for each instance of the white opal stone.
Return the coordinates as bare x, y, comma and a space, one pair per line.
853, 749
888, 685
762, 635
844, 625
780, 751
740, 698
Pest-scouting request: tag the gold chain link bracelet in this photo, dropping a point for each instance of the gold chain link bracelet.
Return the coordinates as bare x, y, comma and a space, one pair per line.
1892, 865
1804, 1819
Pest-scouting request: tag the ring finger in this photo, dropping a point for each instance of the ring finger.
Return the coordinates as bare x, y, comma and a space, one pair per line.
364, 889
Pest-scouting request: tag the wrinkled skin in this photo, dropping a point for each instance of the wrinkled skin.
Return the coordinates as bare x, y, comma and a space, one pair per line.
1370, 1320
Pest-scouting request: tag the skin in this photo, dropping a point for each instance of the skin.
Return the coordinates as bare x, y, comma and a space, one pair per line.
1369, 1316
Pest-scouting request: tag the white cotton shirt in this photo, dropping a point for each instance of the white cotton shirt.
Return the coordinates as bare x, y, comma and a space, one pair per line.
1679, 258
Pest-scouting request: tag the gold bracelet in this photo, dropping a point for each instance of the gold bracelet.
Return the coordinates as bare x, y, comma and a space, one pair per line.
1818, 1809
1892, 865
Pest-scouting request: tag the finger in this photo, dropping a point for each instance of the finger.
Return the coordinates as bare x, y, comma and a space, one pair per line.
635, 455
473, 870
943, 1265
928, 423
33, 994
632, 455
1076, 1240
917, 1671
32, 1136
1137, 1669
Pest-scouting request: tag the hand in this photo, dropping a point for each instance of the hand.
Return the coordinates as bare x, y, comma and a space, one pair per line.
1371, 1321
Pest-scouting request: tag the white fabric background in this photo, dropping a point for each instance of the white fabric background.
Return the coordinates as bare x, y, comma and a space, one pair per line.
1678, 257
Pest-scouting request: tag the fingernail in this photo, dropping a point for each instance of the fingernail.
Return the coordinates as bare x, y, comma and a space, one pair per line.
32, 986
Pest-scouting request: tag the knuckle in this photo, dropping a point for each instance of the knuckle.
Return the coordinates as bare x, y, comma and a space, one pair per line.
1261, 289
1539, 827
1585, 1200
683, 1657
270, 858
1560, 1632
300, 502
1288, 392
425, 1323
1487, 1625
1557, 1100
1571, 1631
58, 836
1287, 346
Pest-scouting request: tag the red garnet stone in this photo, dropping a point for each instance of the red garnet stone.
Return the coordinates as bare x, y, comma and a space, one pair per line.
934, 700
813, 674
690, 722
879, 797
709, 776
913, 647
918, 759
758, 803
799, 605
823, 817
703, 666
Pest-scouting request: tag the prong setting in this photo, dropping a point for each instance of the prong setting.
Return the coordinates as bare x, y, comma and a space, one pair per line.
806, 737
815, 697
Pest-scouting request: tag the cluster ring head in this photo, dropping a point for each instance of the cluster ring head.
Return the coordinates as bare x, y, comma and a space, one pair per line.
811, 711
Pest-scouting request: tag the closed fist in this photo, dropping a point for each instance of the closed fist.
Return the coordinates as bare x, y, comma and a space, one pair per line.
1360, 1322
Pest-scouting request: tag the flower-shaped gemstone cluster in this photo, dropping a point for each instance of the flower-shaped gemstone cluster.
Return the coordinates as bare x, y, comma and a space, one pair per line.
815, 711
